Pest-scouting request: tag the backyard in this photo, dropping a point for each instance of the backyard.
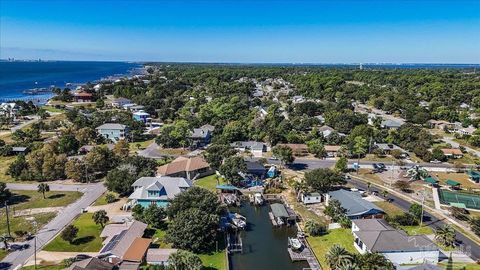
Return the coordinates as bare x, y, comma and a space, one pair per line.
322, 244
209, 182
87, 240
28, 199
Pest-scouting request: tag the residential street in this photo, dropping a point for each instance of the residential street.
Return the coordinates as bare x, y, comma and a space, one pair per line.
469, 246
34, 119
91, 192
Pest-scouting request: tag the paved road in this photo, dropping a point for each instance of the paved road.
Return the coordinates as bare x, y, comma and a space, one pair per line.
91, 193
34, 119
471, 248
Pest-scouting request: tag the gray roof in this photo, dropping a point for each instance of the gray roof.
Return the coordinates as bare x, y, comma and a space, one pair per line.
372, 224
353, 202
279, 210
172, 186
159, 254
199, 133
208, 127
113, 126
91, 264
252, 145
388, 146
391, 123
394, 241
19, 149
119, 244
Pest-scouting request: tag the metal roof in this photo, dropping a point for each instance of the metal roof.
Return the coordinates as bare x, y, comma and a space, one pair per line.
279, 210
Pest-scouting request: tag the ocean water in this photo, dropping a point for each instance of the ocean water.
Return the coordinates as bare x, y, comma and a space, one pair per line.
15, 77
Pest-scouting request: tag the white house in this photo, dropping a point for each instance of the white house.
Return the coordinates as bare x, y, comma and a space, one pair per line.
310, 198
375, 235
256, 148
120, 102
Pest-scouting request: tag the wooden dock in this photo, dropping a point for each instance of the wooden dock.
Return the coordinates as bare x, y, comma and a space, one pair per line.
306, 254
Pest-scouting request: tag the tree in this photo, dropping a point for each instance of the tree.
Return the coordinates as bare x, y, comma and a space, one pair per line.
314, 228
154, 215
18, 167
76, 170
5, 194
85, 135
121, 149
216, 153
284, 153
120, 180
402, 185
194, 230
459, 213
416, 210
360, 147
100, 159
341, 165
445, 235
337, 256
374, 261
437, 154
69, 233
316, 148
194, 197
110, 198
335, 210
184, 260
231, 167
68, 144
100, 217
322, 180
43, 188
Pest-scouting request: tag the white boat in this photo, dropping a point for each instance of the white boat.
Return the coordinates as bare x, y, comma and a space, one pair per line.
295, 243
238, 220
258, 199
279, 221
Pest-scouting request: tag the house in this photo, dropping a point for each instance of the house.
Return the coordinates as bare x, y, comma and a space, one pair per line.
332, 150
320, 118
157, 190
82, 97
356, 206
137, 250
298, 149
187, 167
310, 198
91, 264
387, 148
440, 124
390, 124
374, 235
159, 256
116, 246
452, 152
468, 131
16, 150
328, 131
136, 108
113, 131
473, 176
298, 99
120, 102
256, 148
201, 136
256, 169
142, 117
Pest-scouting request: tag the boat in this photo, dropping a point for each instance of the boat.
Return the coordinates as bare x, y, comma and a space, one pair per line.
238, 220
279, 221
258, 199
294, 243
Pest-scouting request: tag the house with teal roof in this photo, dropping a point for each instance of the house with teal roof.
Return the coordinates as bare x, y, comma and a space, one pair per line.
474, 176
157, 190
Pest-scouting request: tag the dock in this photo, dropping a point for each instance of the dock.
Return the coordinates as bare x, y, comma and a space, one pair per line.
306, 254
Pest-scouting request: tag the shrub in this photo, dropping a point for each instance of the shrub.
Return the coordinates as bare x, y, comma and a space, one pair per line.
110, 198
314, 228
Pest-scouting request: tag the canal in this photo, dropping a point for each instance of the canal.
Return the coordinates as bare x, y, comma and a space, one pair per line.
264, 247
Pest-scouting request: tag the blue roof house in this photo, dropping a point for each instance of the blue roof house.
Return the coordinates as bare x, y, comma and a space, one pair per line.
157, 190
355, 205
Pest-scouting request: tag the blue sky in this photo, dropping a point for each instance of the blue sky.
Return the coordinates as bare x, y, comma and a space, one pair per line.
337, 31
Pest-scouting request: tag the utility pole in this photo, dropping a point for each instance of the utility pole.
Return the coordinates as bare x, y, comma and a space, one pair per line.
8, 219
423, 202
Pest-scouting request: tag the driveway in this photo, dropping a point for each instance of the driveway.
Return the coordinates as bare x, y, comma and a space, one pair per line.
92, 192
34, 119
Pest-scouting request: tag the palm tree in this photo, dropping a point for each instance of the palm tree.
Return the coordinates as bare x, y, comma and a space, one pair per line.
337, 256
374, 261
42, 187
100, 217
348, 265
445, 235
384, 193
368, 187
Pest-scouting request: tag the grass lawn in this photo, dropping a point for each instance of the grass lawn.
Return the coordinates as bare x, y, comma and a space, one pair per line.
209, 182
322, 244
158, 238
103, 199
53, 109
45, 267
27, 199
389, 208
3, 254
458, 265
462, 178
215, 261
134, 145
371, 157
416, 230
4, 164
368, 175
88, 238
466, 159
21, 224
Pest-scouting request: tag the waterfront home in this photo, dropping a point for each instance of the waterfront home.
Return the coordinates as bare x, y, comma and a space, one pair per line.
187, 167
356, 206
119, 240
298, 149
452, 152
256, 148
311, 198
120, 102
390, 124
201, 136
374, 235
82, 97
142, 116
113, 131
256, 169
91, 264
332, 150
159, 256
387, 148
157, 190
